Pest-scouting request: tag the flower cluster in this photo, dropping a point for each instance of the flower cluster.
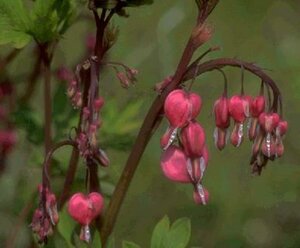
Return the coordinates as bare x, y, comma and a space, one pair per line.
187, 161
90, 115
46, 216
84, 209
265, 128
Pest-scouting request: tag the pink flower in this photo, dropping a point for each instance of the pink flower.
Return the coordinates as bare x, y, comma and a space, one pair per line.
174, 165
257, 106
269, 121
84, 209
180, 107
193, 139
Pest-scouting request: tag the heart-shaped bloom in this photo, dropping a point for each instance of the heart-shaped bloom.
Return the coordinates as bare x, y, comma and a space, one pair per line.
174, 165
257, 106
269, 121
193, 139
84, 209
221, 112
181, 106
238, 108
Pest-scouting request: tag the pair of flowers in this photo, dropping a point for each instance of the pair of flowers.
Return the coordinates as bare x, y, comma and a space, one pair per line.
187, 161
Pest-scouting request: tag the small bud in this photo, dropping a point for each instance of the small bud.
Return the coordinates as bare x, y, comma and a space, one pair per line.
221, 112
193, 139
282, 128
98, 103
201, 34
64, 74
201, 195
77, 99
174, 165
123, 79
163, 84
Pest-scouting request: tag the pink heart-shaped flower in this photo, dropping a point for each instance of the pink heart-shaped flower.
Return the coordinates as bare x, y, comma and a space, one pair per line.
174, 165
84, 209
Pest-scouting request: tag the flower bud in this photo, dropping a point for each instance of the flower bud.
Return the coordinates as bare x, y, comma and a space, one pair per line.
221, 112
201, 195
193, 139
269, 121
257, 106
98, 103
123, 79
279, 149
282, 128
174, 165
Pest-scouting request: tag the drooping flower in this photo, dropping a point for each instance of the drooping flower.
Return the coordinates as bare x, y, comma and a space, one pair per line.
193, 139
84, 209
174, 165
222, 119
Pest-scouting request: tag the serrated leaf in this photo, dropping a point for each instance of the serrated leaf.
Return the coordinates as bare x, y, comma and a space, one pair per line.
179, 234
160, 232
127, 244
14, 23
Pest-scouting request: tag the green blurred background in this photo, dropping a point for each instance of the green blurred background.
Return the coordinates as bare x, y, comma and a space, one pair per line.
244, 210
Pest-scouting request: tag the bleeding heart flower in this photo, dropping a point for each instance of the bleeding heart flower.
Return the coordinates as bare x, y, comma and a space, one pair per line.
193, 139
221, 112
239, 108
84, 209
237, 134
196, 103
269, 121
257, 106
174, 165
180, 107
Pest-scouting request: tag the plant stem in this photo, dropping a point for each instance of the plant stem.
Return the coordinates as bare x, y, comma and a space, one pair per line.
145, 133
47, 96
222, 62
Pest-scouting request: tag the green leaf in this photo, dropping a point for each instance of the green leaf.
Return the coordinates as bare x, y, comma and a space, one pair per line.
160, 232
127, 244
111, 242
65, 226
14, 23
179, 234
96, 243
